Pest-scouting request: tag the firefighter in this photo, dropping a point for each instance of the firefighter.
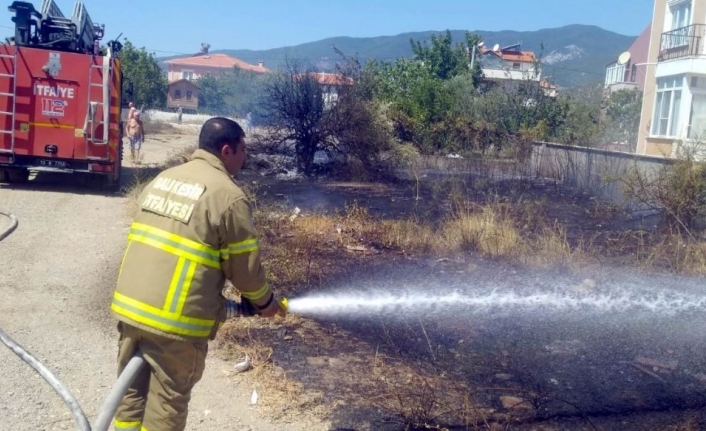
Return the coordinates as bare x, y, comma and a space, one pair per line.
194, 231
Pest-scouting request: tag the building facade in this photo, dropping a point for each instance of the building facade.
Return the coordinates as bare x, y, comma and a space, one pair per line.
194, 67
183, 93
673, 116
630, 70
509, 64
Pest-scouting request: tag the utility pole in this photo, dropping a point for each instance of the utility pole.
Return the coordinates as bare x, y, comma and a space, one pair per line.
473, 54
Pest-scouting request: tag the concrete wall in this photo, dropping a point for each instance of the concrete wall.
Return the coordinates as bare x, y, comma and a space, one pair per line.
598, 172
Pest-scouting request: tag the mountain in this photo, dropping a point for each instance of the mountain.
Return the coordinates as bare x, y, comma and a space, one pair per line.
575, 55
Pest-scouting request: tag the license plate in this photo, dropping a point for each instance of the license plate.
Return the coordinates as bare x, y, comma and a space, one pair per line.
53, 163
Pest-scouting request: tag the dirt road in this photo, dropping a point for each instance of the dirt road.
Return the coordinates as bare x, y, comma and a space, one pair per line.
58, 271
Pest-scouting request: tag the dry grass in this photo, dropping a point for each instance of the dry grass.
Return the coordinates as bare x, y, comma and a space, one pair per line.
302, 252
424, 399
281, 396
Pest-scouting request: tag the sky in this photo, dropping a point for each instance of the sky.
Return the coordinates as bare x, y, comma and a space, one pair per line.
180, 26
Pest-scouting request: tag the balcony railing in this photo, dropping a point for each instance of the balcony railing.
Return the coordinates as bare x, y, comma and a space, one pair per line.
683, 42
614, 74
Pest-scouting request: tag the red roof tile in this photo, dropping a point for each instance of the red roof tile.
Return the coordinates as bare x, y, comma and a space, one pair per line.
218, 61
324, 78
514, 56
547, 85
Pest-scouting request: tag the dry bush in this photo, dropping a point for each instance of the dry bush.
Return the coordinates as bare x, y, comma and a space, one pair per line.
409, 236
155, 127
134, 186
677, 191
551, 248
178, 157
488, 230
678, 254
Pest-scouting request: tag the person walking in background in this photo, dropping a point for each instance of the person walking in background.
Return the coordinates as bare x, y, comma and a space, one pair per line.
179, 114
135, 132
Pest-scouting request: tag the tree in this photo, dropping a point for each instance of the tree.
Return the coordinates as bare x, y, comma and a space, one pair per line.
236, 91
142, 70
623, 110
293, 109
213, 91
444, 60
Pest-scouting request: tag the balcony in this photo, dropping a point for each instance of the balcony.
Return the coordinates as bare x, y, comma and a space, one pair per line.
683, 42
615, 73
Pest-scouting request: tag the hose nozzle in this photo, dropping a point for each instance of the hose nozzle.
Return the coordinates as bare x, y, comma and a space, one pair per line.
284, 303
245, 308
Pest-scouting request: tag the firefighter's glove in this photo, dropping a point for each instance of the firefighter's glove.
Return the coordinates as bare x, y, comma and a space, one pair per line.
275, 307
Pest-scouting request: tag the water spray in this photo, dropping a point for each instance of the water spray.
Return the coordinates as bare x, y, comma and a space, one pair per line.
412, 304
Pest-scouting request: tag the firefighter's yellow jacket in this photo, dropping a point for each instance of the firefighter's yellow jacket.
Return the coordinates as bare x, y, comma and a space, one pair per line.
193, 231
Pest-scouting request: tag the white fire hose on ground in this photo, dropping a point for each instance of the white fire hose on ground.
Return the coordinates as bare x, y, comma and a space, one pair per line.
110, 405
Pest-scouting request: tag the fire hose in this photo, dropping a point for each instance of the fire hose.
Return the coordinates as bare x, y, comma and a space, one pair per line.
117, 392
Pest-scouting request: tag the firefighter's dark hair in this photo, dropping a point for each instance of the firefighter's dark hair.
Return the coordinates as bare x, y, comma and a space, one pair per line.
219, 131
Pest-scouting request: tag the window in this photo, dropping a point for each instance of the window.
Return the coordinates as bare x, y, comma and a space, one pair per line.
665, 121
697, 121
516, 66
681, 14
188, 95
187, 74
177, 94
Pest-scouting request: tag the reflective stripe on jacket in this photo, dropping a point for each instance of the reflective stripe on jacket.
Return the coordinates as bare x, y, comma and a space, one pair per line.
193, 231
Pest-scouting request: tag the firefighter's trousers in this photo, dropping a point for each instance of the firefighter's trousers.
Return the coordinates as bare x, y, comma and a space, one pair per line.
158, 399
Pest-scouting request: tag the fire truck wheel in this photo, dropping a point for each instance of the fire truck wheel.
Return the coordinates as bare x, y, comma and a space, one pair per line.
18, 176
3, 176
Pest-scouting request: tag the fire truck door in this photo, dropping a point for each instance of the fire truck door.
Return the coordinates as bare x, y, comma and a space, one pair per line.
54, 119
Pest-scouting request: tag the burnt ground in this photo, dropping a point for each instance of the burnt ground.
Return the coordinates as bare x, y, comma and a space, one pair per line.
586, 367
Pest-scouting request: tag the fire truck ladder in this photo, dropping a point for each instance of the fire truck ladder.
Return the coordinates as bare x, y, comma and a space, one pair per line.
84, 34
12, 75
99, 104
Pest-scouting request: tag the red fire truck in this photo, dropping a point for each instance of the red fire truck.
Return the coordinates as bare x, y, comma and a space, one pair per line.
60, 96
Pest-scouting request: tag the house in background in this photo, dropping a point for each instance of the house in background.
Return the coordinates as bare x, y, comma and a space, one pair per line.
674, 99
183, 93
509, 64
204, 63
629, 69
330, 84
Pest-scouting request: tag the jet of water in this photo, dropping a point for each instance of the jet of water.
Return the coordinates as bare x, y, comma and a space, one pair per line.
407, 303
